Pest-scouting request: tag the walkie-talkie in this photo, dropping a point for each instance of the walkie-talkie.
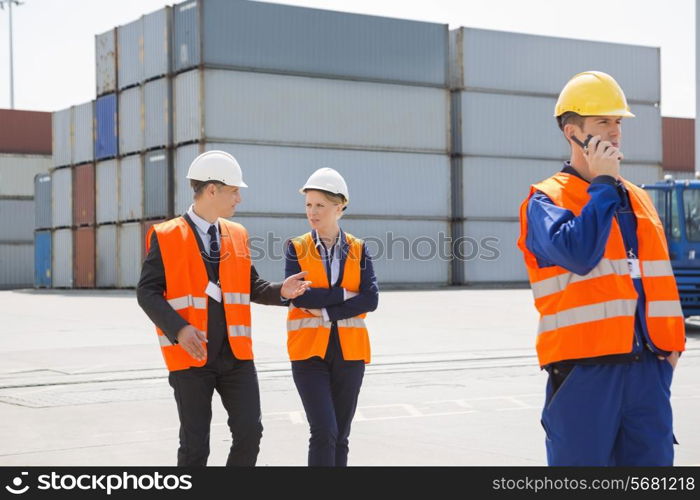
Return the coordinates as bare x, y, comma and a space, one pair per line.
584, 144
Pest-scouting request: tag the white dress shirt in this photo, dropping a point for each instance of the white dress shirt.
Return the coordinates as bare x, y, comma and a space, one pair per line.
203, 228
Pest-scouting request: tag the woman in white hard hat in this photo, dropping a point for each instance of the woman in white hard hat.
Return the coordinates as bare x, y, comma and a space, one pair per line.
327, 339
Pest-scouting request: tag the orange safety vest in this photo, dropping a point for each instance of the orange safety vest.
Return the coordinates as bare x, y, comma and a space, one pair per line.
186, 280
593, 315
307, 335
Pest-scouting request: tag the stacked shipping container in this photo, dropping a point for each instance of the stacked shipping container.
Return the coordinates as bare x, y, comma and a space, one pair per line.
505, 88
425, 125
25, 146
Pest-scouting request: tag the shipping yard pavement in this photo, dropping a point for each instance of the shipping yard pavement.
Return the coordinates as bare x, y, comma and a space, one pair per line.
454, 381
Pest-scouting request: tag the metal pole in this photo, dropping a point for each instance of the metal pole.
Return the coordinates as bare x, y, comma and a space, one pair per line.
12, 78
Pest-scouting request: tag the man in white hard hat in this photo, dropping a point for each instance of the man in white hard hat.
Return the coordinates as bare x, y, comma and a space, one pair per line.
196, 285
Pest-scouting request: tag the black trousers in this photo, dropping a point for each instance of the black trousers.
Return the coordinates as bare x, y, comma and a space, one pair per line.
329, 389
236, 381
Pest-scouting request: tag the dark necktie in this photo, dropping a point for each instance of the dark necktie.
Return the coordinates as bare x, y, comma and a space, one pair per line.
214, 244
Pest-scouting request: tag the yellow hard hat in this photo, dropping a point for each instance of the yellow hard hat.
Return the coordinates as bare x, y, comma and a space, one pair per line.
593, 93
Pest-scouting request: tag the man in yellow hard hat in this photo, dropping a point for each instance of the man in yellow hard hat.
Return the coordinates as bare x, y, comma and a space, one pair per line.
611, 326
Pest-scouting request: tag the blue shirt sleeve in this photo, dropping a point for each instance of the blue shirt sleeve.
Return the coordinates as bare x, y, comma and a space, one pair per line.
557, 237
368, 297
313, 298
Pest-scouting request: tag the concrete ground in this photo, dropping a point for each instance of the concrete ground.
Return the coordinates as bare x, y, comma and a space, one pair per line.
454, 381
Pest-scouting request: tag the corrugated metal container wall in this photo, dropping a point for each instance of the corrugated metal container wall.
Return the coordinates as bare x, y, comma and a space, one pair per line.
16, 220
131, 116
268, 36
106, 62
310, 111
25, 132
42, 201
16, 265
182, 195
130, 252
403, 251
62, 122
185, 52
107, 191
485, 194
131, 188
106, 144
406, 173
264, 36
130, 49
158, 123
83, 136
538, 64
156, 43
84, 262
531, 131
62, 261
679, 144
42, 259
17, 173
84, 194
157, 184
106, 256
489, 252
62, 197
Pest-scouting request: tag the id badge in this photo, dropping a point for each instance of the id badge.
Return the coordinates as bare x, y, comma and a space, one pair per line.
633, 265
214, 291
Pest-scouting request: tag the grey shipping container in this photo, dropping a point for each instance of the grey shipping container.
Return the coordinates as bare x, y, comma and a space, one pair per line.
182, 195
530, 130
130, 50
131, 117
403, 251
157, 113
130, 254
16, 220
131, 188
489, 252
293, 110
42, 201
107, 191
62, 134
156, 43
17, 173
380, 183
62, 259
495, 187
157, 191
679, 174
62, 197
16, 265
106, 62
106, 256
514, 62
83, 135
268, 37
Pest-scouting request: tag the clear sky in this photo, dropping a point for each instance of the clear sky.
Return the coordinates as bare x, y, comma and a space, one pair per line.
55, 54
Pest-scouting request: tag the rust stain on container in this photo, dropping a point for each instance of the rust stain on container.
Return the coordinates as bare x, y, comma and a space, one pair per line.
84, 195
679, 144
26, 132
84, 258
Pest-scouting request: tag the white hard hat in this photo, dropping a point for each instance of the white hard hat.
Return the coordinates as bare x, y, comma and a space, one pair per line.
216, 166
327, 179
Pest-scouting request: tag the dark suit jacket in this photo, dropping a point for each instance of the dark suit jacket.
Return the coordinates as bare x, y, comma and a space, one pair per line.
151, 288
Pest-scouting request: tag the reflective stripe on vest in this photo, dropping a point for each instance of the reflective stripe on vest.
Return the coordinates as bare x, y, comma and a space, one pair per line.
188, 301
586, 314
559, 282
239, 331
237, 298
